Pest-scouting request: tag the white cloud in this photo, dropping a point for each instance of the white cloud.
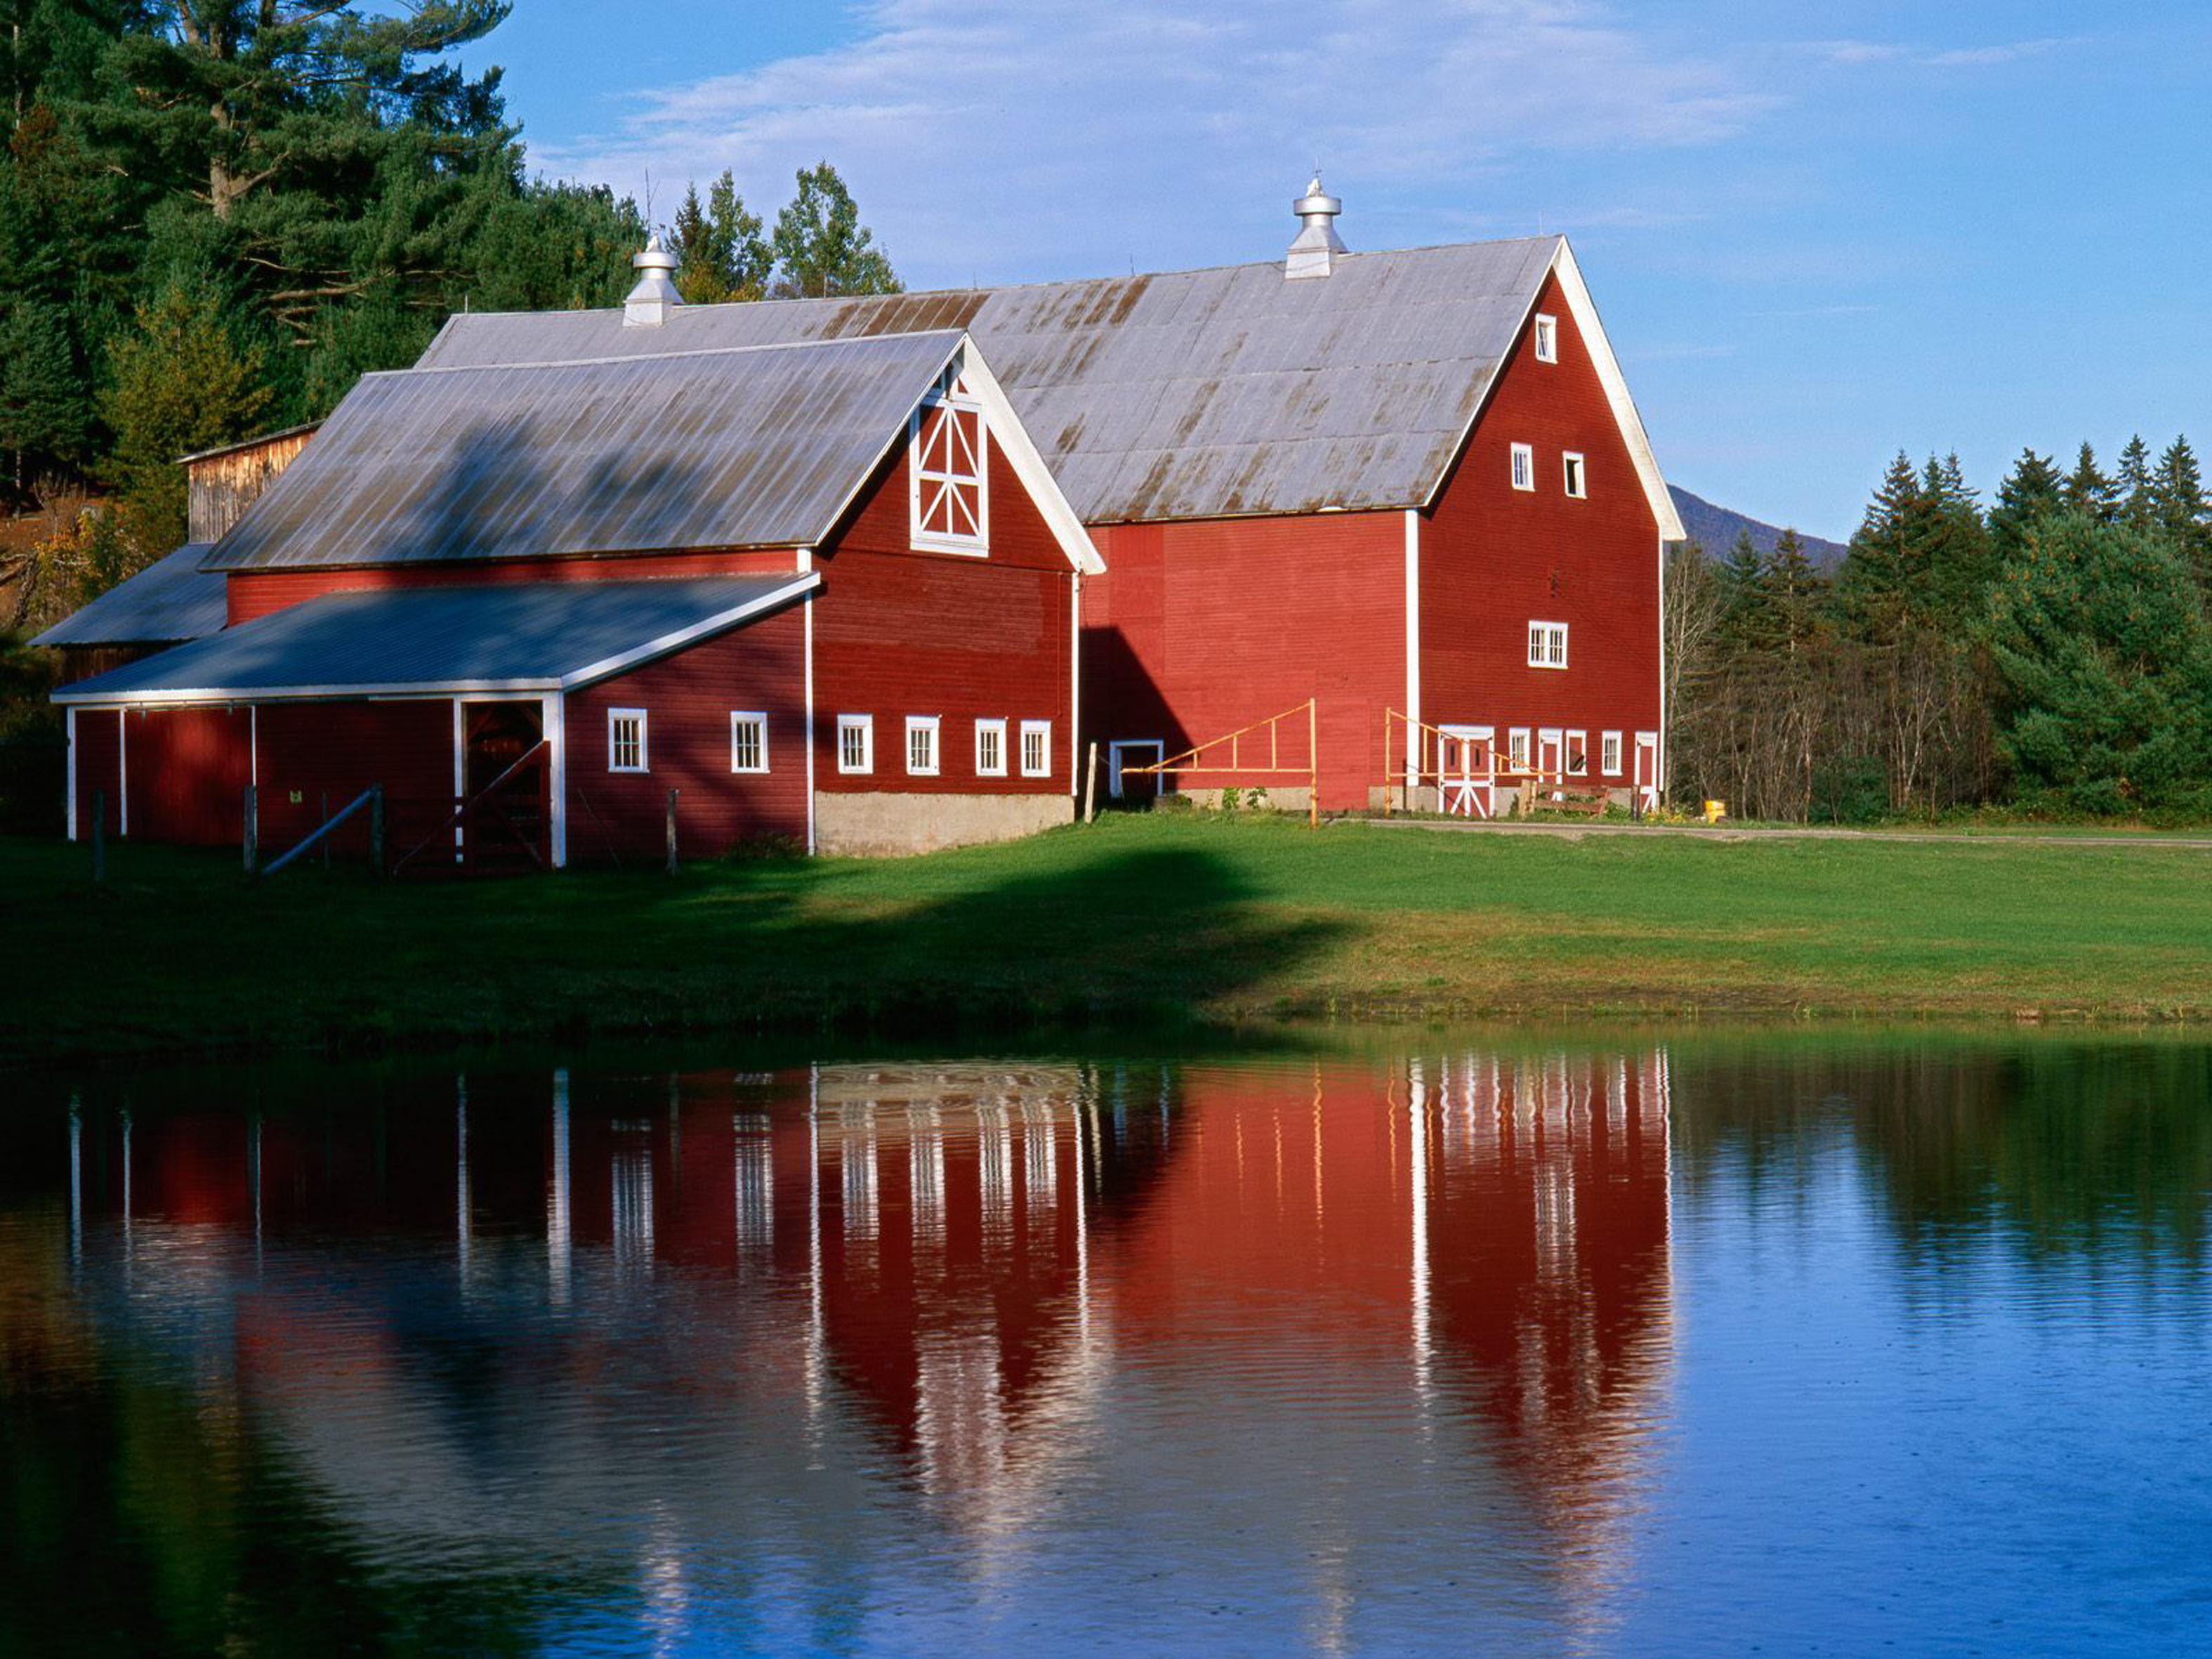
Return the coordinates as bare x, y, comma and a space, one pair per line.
1854, 53
1045, 136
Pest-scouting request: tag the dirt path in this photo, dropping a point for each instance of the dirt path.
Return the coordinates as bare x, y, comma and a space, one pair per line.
1809, 832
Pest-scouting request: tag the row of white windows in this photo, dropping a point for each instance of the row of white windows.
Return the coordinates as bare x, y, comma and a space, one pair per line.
1575, 746
856, 743
1574, 477
856, 746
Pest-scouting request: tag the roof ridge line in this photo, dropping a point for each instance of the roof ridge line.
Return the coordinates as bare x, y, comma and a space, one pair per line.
658, 356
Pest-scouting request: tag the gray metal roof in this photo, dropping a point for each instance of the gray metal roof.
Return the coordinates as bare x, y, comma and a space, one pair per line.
518, 636
1184, 394
703, 444
170, 600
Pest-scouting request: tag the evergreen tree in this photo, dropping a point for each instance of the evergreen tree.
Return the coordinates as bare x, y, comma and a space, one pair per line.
2089, 491
1747, 615
2178, 509
1883, 566
2032, 491
181, 383
1957, 556
2133, 482
723, 253
820, 246
1798, 590
43, 416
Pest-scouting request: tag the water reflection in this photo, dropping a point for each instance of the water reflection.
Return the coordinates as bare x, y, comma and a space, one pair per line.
1342, 1355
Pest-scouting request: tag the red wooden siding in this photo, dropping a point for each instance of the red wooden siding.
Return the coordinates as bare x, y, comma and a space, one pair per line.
189, 769
1493, 559
899, 633
98, 768
1198, 629
308, 750
688, 698
257, 592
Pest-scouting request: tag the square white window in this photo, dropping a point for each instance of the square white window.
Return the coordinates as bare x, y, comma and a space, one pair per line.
1573, 467
1037, 749
856, 743
625, 740
1577, 754
990, 749
1524, 466
921, 746
748, 741
948, 477
1609, 754
1547, 338
1547, 644
1517, 748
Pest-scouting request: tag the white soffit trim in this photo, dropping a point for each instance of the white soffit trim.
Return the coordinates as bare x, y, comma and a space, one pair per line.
1028, 465
1616, 391
721, 622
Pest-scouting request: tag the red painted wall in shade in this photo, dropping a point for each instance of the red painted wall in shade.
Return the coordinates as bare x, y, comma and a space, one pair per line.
315, 750
898, 632
1493, 559
98, 768
1198, 629
189, 769
257, 592
688, 698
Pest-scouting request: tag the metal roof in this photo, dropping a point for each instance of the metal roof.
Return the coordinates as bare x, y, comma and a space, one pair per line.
1184, 394
170, 600
513, 636
727, 445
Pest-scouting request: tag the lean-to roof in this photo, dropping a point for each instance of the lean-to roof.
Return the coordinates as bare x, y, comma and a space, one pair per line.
171, 600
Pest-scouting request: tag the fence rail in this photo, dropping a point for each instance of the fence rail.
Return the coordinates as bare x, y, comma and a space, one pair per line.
1192, 761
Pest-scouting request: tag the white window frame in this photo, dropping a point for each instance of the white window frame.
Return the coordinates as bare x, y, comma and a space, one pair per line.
998, 729
1517, 748
754, 717
1578, 745
614, 719
1041, 729
865, 725
1548, 338
1524, 466
1609, 754
917, 725
1574, 475
950, 394
1547, 644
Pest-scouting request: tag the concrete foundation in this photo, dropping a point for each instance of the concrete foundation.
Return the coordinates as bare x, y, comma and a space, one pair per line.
882, 825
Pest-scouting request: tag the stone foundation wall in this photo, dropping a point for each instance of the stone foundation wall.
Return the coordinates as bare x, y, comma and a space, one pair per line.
882, 824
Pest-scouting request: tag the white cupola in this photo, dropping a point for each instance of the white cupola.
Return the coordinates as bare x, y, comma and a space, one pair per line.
655, 296
1314, 250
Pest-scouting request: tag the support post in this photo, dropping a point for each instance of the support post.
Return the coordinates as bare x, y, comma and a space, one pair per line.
1090, 785
1313, 754
99, 837
1386, 767
252, 829
323, 816
672, 832
376, 831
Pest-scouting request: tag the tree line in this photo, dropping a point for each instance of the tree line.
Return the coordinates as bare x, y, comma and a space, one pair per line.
2049, 653
216, 215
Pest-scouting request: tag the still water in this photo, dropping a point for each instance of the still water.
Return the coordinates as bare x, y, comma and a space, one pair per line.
1621, 1347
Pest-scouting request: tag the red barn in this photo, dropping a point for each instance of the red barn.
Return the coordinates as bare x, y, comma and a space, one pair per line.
823, 591
1411, 480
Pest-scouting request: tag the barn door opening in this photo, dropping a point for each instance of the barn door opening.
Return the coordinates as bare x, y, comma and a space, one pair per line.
504, 755
1135, 752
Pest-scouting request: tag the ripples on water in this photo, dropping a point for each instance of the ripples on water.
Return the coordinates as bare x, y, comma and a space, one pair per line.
1634, 1350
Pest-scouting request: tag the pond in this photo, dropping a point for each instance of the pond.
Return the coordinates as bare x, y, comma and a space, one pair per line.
1643, 1344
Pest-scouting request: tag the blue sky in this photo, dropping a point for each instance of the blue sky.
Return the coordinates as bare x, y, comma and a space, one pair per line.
1816, 233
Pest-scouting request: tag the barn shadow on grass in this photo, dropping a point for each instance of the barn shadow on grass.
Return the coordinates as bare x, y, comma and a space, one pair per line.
1155, 935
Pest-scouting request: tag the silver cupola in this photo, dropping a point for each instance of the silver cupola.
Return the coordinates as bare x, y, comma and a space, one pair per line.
649, 303
1314, 250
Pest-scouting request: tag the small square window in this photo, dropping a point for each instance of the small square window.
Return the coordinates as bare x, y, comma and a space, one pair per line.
1547, 644
1609, 754
625, 740
990, 749
1574, 475
1577, 754
856, 743
748, 741
921, 746
1547, 338
1524, 466
1037, 749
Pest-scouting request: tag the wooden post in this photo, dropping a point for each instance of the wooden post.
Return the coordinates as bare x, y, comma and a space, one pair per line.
376, 831
324, 817
1387, 779
99, 837
672, 832
1313, 754
1090, 785
252, 827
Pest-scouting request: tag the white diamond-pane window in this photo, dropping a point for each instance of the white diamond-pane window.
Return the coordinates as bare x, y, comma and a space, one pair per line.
951, 492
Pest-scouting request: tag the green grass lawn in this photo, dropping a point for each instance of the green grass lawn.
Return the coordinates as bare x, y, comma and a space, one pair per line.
1133, 918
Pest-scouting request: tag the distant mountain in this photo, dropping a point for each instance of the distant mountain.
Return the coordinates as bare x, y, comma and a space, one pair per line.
1717, 528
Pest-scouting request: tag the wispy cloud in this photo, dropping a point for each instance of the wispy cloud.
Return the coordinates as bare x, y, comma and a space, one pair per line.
1061, 134
1854, 53
1794, 313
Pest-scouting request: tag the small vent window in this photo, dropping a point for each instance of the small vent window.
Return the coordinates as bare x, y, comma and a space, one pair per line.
1547, 338
1574, 475
1524, 467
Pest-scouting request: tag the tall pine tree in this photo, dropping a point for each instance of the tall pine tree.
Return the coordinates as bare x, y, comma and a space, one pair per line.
723, 254
2030, 492
2089, 491
2178, 509
2133, 480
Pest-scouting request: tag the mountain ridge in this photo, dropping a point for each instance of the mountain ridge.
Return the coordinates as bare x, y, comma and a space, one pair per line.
1715, 528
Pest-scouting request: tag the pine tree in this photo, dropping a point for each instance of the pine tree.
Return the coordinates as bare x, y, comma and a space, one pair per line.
1957, 558
2178, 509
2133, 482
44, 418
1798, 591
820, 246
2032, 491
1882, 567
2089, 491
723, 253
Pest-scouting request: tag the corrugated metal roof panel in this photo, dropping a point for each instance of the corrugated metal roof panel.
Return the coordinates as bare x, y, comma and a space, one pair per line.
428, 638
1185, 394
701, 445
171, 598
